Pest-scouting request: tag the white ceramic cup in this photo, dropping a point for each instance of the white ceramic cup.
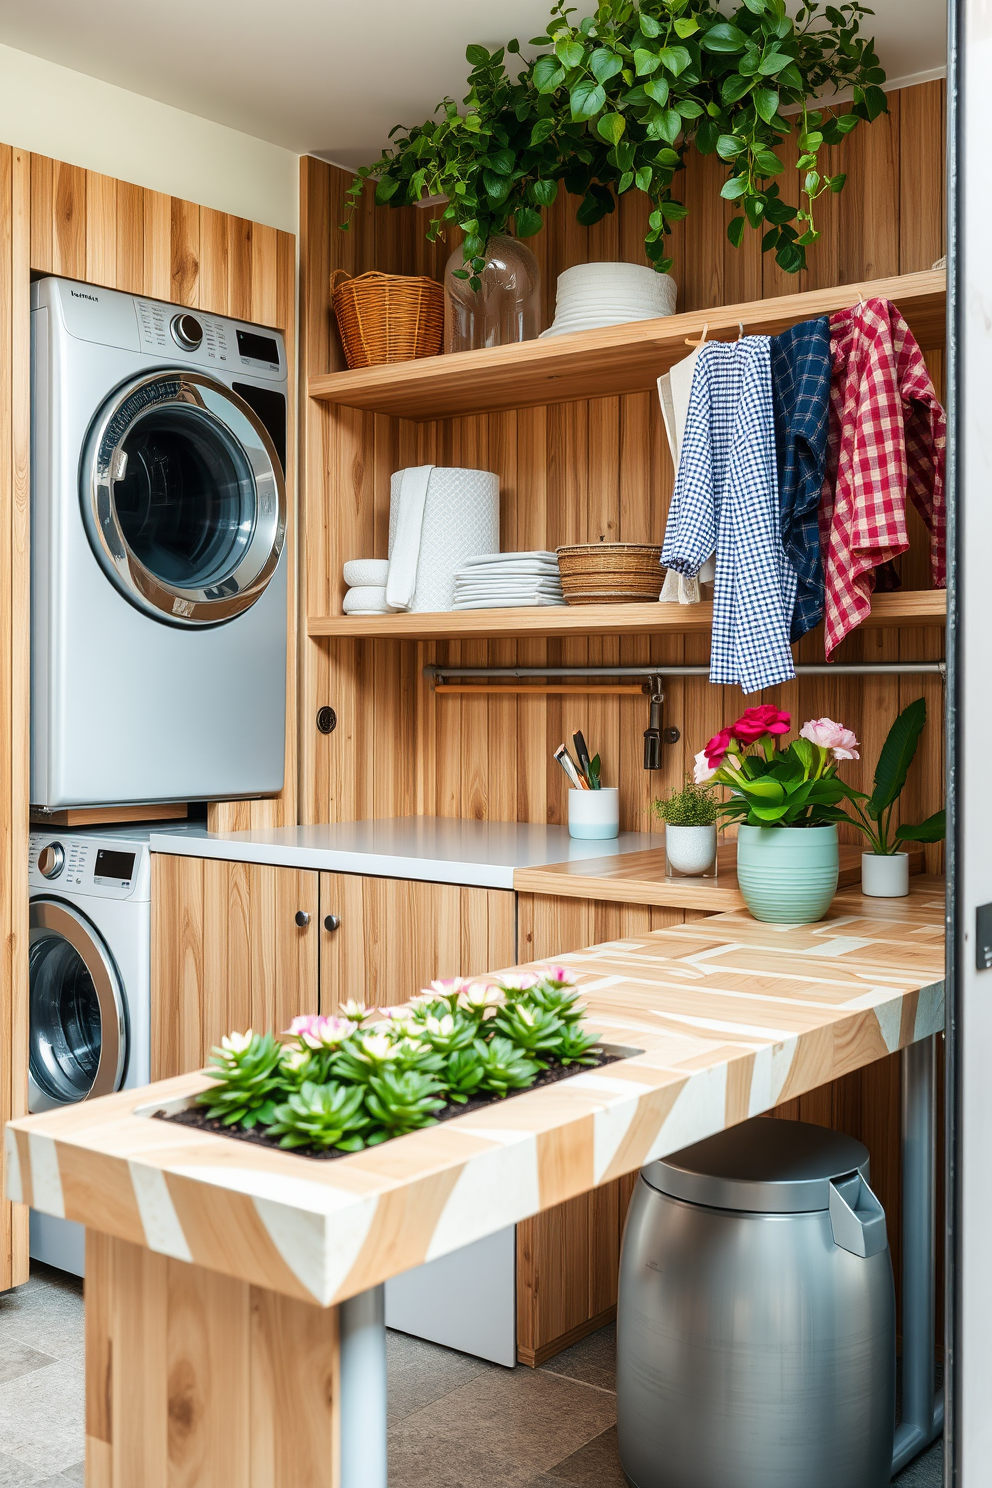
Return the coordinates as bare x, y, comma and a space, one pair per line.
593, 813
885, 877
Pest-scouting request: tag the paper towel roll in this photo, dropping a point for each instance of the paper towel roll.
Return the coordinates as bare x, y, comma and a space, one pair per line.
438, 517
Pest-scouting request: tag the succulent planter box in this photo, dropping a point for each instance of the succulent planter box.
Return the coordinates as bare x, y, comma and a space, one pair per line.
187, 1112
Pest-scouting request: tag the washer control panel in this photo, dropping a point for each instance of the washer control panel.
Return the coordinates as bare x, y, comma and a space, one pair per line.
108, 867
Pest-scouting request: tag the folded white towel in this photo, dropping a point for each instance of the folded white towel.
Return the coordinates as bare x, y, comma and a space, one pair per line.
360, 573
507, 602
497, 558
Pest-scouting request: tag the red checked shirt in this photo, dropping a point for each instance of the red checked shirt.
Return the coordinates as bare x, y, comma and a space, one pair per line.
888, 434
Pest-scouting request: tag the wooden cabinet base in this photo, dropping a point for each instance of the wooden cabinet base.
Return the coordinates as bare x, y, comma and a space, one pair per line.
193, 1377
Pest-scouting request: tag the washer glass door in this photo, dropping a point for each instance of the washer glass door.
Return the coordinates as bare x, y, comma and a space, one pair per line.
78, 1024
183, 498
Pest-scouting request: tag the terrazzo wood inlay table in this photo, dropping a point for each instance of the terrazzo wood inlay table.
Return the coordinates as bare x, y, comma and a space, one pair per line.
233, 1292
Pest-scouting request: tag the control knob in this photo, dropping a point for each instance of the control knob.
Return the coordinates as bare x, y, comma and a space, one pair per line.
51, 860
187, 332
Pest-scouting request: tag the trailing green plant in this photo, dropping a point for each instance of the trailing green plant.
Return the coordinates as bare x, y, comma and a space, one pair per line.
615, 101
690, 806
348, 1083
874, 812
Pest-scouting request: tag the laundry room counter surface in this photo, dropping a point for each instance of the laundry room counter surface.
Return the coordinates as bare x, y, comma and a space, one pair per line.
730, 1016
433, 849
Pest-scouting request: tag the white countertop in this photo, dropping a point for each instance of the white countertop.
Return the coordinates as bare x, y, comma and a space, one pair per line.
435, 849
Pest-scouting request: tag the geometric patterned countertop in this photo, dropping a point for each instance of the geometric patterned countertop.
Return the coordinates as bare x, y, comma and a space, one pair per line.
730, 1016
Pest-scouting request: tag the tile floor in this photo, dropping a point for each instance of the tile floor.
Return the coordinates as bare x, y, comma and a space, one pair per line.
455, 1422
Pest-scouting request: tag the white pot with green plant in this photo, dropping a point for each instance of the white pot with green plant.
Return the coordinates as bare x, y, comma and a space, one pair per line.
885, 868
690, 817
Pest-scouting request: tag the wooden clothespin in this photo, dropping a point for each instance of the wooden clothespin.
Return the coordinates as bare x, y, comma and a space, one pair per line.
740, 333
689, 341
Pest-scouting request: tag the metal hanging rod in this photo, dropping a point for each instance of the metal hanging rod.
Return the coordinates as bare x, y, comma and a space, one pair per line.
662, 669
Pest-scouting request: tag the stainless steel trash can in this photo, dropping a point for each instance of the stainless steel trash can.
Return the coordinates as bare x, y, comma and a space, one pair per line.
756, 1316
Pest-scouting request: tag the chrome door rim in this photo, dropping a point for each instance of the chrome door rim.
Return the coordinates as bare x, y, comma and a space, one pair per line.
174, 604
54, 917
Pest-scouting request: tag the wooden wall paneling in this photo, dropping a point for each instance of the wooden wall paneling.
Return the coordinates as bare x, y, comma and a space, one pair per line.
14, 675
157, 247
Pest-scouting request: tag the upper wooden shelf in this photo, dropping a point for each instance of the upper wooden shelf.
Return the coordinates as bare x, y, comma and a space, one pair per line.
905, 607
603, 363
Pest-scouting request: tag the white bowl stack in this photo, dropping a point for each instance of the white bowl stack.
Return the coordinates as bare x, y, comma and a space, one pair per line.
603, 294
366, 580
501, 581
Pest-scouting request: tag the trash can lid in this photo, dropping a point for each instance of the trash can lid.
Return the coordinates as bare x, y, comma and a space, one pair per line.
762, 1166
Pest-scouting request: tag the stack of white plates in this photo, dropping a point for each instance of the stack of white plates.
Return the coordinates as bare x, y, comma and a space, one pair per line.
499, 581
602, 294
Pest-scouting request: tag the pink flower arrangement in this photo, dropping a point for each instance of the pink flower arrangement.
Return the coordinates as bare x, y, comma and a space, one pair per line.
795, 786
319, 1032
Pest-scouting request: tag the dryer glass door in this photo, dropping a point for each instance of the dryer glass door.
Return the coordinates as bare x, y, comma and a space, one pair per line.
78, 1023
183, 498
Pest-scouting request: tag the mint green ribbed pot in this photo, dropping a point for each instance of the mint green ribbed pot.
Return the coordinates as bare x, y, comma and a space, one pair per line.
787, 874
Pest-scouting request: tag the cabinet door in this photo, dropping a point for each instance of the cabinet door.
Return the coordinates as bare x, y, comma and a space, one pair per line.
227, 953
396, 935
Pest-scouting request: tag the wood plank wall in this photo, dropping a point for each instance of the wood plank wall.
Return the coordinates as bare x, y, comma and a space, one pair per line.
60, 219
108, 232
573, 473
14, 676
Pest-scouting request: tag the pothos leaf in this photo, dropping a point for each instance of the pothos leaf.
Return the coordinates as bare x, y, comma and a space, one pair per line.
587, 99
611, 127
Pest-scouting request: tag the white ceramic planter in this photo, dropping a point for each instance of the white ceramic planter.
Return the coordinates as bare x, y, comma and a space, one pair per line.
594, 813
885, 877
691, 850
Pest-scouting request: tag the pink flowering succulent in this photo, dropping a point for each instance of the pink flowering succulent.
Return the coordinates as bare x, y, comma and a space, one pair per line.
319, 1032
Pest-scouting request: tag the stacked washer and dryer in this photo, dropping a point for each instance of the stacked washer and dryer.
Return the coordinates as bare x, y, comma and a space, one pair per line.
158, 641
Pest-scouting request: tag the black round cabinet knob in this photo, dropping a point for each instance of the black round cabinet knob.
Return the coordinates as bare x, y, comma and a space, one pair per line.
331, 922
302, 918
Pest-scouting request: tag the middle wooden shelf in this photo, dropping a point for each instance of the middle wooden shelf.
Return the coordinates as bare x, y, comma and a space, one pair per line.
904, 607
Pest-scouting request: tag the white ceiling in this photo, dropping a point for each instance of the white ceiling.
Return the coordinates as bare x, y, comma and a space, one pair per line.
327, 77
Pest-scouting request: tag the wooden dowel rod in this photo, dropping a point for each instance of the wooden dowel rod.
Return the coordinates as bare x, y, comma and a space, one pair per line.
599, 689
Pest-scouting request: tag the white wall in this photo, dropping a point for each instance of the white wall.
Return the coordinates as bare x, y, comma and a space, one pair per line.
84, 121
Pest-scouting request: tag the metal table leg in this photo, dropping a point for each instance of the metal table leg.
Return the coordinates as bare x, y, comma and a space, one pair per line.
363, 1390
922, 1408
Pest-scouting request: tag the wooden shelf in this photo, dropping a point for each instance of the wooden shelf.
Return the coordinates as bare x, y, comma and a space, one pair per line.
906, 607
603, 363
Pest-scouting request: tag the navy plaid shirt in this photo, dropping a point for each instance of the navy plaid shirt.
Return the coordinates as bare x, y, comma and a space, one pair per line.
726, 498
801, 390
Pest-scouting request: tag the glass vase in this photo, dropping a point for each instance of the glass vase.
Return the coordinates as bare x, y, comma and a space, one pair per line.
507, 307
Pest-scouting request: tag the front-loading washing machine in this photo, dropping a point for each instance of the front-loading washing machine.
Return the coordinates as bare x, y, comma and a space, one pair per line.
90, 978
158, 562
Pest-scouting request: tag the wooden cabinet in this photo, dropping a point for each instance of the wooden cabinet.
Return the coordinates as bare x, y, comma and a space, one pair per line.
395, 935
228, 953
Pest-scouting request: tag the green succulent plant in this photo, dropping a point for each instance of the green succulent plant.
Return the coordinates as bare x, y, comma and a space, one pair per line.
402, 1102
248, 1068
464, 1073
504, 1067
322, 1116
574, 1045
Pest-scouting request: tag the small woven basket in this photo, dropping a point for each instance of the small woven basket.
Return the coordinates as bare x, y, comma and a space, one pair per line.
387, 317
610, 573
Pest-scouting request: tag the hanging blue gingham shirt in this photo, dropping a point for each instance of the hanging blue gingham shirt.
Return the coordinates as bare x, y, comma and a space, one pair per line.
801, 392
726, 497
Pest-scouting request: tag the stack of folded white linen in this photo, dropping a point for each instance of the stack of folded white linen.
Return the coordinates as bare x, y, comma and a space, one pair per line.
498, 581
366, 580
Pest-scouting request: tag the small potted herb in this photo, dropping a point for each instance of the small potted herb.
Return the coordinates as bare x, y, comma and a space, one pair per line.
885, 869
690, 817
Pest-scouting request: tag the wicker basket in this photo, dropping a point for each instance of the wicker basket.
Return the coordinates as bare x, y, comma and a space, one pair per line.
387, 317
610, 573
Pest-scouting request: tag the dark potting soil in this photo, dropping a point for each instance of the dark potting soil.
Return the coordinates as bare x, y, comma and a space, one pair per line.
196, 1115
